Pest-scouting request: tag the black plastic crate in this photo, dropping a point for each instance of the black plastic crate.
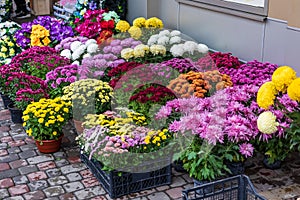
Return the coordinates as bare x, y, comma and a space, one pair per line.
232, 188
119, 185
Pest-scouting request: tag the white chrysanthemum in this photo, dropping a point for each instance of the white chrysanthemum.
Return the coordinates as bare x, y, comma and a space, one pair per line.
140, 50
175, 40
92, 48
202, 48
78, 52
190, 46
2, 11
87, 55
74, 45
266, 123
177, 50
127, 53
66, 53
153, 39
164, 33
163, 40
158, 49
76, 62
90, 41
175, 33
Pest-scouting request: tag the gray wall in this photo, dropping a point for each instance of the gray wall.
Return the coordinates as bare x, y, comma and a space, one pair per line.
270, 40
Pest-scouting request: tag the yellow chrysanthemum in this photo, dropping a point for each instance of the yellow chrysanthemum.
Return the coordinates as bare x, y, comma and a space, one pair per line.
266, 123
139, 22
41, 120
283, 77
294, 91
46, 41
122, 26
135, 32
266, 95
154, 22
127, 53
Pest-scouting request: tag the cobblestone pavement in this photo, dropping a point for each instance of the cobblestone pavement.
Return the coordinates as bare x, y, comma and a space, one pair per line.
27, 174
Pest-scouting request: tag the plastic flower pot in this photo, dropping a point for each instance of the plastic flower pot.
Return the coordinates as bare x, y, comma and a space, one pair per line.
49, 146
16, 114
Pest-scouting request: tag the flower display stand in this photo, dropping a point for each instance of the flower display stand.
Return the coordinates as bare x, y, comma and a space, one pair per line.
118, 185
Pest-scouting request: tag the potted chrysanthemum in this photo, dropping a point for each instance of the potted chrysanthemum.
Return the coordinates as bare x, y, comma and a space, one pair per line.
279, 124
44, 121
88, 96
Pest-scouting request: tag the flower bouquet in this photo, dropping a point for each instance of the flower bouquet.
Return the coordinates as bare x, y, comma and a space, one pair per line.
9, 48
59, 78
88, 96
44, 121
279, 124
5, 10
82, 6
43, 31
38, 61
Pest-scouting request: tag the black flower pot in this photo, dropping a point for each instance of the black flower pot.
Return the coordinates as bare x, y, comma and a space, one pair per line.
16, 114
236, 168
275, 165
202, 188
6, 100
178, 166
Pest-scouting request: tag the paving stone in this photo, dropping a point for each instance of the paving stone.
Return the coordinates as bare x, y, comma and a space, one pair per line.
14, 198
100, 198
177, 181
38, 185
73, 186
40, 159
29, 140
9, 173
73, 168
18, 190
4, 129
90, 182
46, 165
68, 196
27, 154
4, 133
27, 169
54, 191
89, 192
175, 193
4, 193
163, 188
6, 183
14, 150
20, 136
17, 128
159, 195
35, 195
6, 139
28, 147
37, 175
9, 158
61, 163
3, 152
86, 173
58, 180
60, 155
53, 172
74, 177
18, 163
75, 159
4, 166
18, 180
52, 198
3, 145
